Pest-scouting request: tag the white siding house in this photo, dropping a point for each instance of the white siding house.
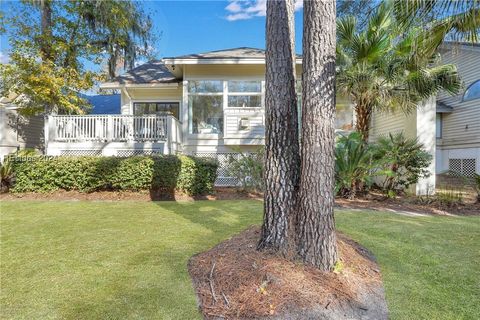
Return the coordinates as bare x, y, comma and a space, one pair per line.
448, 126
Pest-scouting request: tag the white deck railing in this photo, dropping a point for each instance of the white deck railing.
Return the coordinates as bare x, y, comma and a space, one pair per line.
106, 128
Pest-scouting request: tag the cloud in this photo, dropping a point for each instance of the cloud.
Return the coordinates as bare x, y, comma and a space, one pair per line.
4, 58
248, 9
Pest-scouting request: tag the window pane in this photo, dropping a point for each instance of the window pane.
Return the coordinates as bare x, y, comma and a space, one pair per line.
244, 101
202, 86
139, 108
244, 86
438, 125
144, 108
206, 114
473, 92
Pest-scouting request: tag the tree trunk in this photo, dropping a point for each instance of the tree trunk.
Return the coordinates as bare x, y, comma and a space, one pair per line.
281, 123
363, 115
316, 239
46, 30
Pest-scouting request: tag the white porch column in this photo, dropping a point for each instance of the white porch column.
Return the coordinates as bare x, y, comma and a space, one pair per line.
426, 135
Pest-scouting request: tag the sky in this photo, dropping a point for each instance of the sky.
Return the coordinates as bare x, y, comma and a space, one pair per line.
185, 27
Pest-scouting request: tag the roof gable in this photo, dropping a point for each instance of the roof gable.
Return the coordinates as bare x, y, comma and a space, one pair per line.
151, 72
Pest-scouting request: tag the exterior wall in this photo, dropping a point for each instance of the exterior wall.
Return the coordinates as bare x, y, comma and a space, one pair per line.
420, 125
18, 131
131, 95
460, 128
384, 123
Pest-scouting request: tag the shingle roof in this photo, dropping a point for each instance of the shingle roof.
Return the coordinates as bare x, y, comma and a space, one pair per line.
151, 72
233, 53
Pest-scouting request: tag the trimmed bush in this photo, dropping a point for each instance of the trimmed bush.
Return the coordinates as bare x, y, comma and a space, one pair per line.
87, 174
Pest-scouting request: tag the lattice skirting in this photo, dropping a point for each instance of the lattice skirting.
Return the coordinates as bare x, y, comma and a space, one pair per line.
463, 167
79, 153
130, 153
223, 177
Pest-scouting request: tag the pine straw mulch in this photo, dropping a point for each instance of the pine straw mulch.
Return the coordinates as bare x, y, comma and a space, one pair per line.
235, 281
147, 195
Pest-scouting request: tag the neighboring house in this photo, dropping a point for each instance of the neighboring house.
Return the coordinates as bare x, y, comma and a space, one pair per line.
449, 127
458, 117
17, 131
209, 104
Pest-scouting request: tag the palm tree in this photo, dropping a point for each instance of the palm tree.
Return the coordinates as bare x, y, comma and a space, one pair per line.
453, 19
384, 67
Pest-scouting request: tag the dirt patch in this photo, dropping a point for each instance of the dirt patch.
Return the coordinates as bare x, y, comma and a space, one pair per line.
218, 194
235, 281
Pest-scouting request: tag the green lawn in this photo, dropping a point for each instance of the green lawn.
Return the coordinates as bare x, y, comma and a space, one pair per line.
127, 260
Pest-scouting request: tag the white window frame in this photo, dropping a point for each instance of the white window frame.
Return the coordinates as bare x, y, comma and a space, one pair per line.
176, 100
225, 109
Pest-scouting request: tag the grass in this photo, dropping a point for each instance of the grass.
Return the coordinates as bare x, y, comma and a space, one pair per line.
127, 260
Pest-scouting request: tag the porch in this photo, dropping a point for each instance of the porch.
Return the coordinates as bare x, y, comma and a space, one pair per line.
112, 135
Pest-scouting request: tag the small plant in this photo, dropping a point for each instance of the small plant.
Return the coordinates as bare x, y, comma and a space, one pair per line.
401, 162
449, 198
6, 168
353, 165
248, 168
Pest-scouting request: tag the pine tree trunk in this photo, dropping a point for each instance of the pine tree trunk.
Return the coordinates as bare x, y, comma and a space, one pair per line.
316, 240
281, 122
46, 30
363, 115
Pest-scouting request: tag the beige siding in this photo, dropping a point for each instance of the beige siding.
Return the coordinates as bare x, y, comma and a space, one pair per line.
392, 122
19, 131
462, 126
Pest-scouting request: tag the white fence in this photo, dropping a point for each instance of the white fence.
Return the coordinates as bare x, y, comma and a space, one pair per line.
106, 128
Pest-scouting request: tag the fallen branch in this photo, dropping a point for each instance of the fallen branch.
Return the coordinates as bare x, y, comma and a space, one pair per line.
226, 300
210, 281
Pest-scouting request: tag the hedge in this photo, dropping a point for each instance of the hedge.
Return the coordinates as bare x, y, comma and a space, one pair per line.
191, 175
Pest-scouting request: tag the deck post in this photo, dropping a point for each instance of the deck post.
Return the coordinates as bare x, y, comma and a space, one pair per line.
110, 134
46, 119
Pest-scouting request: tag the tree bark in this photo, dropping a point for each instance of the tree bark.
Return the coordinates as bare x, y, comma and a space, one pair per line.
46, 30
316, 240
281, 123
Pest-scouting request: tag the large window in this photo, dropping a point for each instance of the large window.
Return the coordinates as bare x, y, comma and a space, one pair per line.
473, 91
244, 94
142, 108
207, 100
205, 105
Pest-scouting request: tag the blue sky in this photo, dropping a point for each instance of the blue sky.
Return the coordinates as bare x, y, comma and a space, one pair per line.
198, 26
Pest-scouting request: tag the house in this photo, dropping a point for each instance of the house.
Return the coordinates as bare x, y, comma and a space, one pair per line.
18, 131
448, 126
209, 104
212, 104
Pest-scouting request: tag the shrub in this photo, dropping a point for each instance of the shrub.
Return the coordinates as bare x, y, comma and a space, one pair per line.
86, 174
401, 162
353, 164
248, 169
477, 185
6, 168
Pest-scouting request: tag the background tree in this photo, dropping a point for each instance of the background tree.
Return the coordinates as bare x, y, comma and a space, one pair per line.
385, 68
316, 240
445, 19
52, 40
281, 122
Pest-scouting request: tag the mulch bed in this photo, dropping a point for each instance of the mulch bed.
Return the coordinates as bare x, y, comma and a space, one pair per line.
408, 204
218, 194
370, 201
235, 281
